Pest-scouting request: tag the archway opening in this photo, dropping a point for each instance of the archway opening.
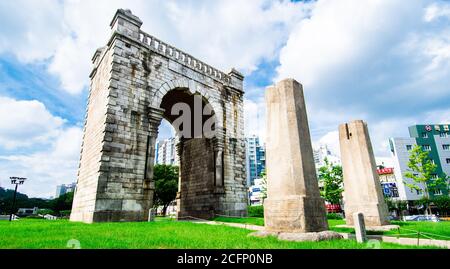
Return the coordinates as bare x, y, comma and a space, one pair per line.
186, 140
190, 114
166, 170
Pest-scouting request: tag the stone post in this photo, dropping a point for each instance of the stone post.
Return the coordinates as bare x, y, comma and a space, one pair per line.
294, 203
360, 227
151, 214
362, 188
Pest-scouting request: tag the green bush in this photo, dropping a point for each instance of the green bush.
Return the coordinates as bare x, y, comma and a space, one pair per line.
46, 211
64, 213
33, 217
442, 203
334, 216
256, 211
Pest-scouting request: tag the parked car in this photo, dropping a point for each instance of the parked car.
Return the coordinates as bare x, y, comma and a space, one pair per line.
432, 218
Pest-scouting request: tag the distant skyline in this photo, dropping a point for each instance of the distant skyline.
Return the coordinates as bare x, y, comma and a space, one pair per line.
386, 62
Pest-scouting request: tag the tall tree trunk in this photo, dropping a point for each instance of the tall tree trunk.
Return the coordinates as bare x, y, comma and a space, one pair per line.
165, 210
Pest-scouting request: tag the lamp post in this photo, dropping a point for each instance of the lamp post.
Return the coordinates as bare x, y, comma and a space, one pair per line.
17, 181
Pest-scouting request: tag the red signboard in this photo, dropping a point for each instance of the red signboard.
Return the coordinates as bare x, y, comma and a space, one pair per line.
385, 171
333, 208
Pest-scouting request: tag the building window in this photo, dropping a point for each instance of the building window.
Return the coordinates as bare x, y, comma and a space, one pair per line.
446, 147
424, 135
426, 147
447, 160
443, 134
408, 147
419, 192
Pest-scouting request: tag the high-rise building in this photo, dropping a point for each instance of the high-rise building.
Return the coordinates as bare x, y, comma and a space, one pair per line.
321, 153
255, 159
166, 152
65, 188
434, 138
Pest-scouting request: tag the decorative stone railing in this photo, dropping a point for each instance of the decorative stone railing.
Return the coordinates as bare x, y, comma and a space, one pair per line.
182, 57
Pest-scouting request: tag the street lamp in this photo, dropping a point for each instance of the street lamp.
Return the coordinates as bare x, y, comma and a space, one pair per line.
17, 181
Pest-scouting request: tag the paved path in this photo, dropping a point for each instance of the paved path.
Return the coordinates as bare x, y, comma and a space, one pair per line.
238, 225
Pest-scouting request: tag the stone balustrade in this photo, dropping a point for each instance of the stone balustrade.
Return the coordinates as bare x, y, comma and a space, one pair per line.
182, 57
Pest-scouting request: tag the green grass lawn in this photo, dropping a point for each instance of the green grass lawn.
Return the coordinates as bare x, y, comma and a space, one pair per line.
161, 234
428, 230
435, 230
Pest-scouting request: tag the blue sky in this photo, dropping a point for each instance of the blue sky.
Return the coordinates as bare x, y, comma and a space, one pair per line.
386, 62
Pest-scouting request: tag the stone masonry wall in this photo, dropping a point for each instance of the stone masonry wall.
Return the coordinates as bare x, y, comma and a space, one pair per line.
89, 172
196, 197
131, 75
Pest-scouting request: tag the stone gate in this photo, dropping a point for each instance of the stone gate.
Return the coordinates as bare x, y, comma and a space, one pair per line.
135, 80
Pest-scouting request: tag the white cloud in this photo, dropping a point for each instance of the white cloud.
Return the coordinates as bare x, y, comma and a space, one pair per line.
223, 33
26, 123
232, 33
385, 62
342, 33
255, 118
31, 29
51, 148
385, 161
331, 139
45, 169
437, 10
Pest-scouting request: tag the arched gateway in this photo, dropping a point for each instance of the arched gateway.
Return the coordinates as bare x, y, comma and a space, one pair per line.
135, 81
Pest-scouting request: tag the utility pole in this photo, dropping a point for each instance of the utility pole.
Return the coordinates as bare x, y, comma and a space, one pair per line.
16, 181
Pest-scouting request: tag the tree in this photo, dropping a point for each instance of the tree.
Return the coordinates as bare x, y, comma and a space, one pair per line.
44, 212
63, 202
397, 206
422, 171
442, 203
166, 185
22, 201
332, 178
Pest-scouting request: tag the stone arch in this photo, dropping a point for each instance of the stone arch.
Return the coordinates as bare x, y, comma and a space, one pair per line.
193, 87
115, 180
201, 159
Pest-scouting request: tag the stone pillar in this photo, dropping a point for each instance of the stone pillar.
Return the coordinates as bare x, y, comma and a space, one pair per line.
218, 165
294, 203
179, 149
154, 120
360, 228
362, 188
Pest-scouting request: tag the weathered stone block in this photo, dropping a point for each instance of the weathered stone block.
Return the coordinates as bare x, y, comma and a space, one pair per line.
293, 200
362, 188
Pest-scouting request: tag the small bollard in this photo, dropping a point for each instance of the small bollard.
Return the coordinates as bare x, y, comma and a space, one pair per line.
360, 227
151, 215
